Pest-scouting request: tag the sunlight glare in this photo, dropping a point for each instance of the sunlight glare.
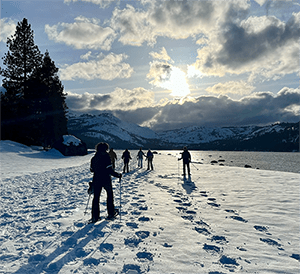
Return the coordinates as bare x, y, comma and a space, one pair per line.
177, 83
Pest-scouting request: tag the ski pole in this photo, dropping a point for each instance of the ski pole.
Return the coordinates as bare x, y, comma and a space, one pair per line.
194, 165
87, 204
120, 198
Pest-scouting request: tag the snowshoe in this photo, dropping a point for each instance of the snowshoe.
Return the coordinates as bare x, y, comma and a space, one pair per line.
111, 217
93, 221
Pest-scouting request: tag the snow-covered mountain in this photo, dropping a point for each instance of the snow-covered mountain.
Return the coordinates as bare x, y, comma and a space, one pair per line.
119, 134
106, 127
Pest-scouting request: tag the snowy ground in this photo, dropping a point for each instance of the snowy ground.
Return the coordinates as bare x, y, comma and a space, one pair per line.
223, 220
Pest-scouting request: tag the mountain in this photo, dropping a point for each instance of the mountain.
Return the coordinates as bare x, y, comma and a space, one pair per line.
119, 134
107, 128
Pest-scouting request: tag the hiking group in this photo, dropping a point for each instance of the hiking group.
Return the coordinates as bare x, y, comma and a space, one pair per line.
149, 157
103, 167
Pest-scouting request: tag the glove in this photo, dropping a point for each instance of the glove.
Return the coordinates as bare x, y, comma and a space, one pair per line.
91, 188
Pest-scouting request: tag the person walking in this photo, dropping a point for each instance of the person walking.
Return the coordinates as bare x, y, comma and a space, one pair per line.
102, 168
186, 158
150, 159
126, 158
140, 158
113, 158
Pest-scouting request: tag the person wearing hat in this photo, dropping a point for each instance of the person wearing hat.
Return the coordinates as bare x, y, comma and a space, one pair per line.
101, 166
186, 158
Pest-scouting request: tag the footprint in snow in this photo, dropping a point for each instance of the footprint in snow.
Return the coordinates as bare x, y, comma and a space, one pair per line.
105, 247
136, 213
219, 239
132, 225
238, 218
202, 230
211, 248
296, 256
131, 269
213, 204
261, 228
271, 242
132, 241
188, 217
228, 261
91, 261
145, 256
144, 219
142, 234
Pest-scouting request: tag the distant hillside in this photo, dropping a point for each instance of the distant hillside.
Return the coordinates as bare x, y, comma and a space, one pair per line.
119, 134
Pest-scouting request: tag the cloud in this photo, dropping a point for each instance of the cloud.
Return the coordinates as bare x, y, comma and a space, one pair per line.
8, 28
138, 106
132, 26
173, 19
263, 46
108, 68
168, 77
231, 87
101, 3
258, 108
118, 100
163, 55
84, 33
86, 56
159, 72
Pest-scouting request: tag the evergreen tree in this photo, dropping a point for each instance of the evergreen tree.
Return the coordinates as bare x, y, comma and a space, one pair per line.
50, 104
33, 108
22, 59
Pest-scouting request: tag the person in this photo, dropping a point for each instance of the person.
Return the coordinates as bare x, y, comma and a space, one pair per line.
150, 159
126, 158
102, 168
113, 158
140, 158
186, 158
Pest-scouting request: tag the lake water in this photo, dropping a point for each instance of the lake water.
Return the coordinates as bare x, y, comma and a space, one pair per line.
280, 161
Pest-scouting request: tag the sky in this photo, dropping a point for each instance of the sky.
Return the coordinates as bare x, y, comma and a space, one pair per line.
170, 64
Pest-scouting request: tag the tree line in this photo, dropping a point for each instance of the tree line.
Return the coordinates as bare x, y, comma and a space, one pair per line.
33, 107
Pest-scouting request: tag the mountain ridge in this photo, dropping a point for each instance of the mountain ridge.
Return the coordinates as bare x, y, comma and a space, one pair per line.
106, 127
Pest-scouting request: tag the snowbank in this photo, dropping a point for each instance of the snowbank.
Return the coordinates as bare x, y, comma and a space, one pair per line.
222, 220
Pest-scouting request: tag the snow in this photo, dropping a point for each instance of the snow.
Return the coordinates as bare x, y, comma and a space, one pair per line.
68, 139
223, 220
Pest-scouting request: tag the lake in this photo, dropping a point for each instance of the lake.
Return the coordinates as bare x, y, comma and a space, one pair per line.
279, 161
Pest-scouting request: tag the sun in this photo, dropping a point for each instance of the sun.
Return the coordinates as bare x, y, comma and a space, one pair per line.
177, 83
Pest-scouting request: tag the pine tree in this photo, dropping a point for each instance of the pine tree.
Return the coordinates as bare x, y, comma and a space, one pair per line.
33, 107
51, 106
22, 59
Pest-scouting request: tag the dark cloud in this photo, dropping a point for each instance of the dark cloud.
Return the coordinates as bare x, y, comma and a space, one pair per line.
258, 109
241, 46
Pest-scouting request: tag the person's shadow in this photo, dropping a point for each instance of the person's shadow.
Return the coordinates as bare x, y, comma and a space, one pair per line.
188, 184
72, 248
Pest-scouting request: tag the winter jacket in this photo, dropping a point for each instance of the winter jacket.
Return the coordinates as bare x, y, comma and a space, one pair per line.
102, 168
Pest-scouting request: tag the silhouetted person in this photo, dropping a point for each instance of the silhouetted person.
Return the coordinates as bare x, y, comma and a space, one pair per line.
150, 159
126, 158
186, 158
113, 157
102, 168
140, 158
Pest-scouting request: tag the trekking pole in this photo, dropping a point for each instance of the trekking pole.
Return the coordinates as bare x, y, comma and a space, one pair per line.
120, 198
85, 212
194, 165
